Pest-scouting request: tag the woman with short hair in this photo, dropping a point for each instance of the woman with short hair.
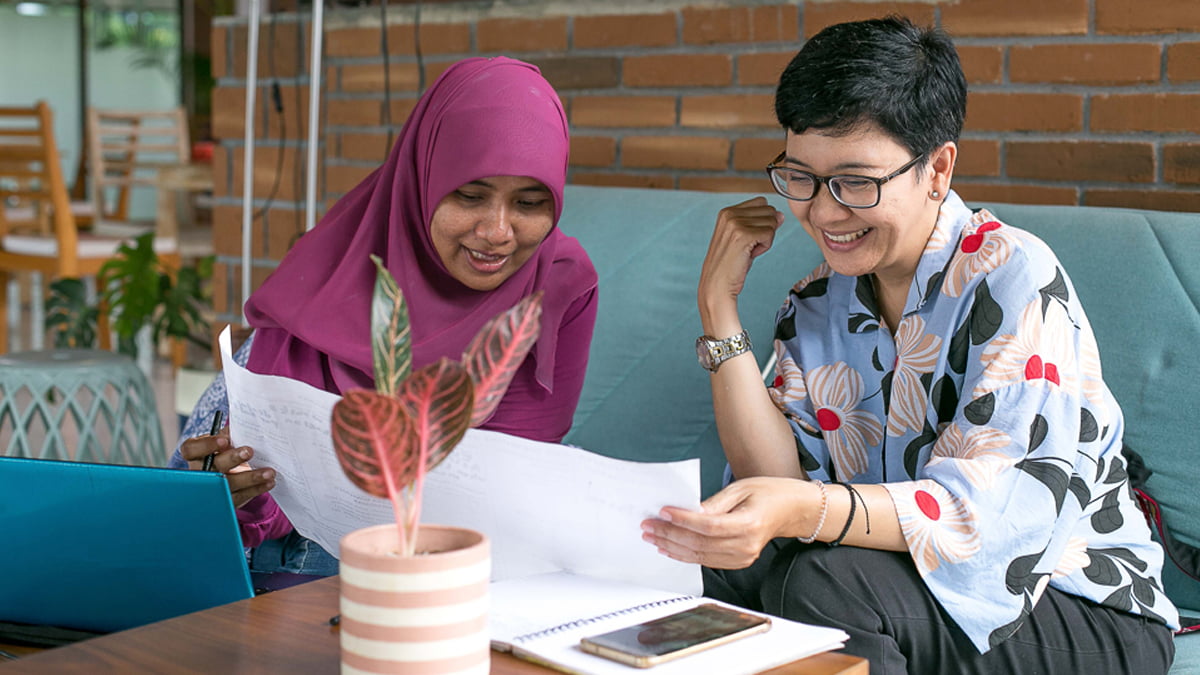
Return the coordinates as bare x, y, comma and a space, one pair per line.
936, 468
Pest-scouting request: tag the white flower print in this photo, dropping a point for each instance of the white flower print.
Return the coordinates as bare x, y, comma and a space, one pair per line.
788, 387
980, 250
1042, 353
1074, 558
916, 355
836, 390
938, 527
979, 447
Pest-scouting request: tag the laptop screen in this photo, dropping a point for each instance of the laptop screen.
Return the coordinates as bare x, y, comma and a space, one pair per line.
102, 547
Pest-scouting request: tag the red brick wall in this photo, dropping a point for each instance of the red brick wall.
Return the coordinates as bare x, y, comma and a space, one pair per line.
1072, 101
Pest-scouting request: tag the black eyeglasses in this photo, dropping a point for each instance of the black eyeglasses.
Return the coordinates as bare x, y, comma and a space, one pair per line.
856, 192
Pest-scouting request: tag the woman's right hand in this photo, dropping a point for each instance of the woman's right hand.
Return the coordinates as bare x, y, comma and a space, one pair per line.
733, 526
743, 232
245, 483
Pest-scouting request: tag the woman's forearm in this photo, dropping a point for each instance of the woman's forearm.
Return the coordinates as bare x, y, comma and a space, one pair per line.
755, 435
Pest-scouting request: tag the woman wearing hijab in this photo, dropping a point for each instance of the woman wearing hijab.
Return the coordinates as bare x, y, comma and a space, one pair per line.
463, 213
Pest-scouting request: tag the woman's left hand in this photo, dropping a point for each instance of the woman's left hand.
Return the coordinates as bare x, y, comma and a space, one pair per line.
733, 526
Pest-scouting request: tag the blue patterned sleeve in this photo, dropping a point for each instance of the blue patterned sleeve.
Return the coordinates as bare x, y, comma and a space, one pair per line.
213, 399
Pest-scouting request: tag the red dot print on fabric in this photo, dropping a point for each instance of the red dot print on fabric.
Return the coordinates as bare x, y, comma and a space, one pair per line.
778, 382
1050, 372
971, 243
828, 419
1034, 368
928, 505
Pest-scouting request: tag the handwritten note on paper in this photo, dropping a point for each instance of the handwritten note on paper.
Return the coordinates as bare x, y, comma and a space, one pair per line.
545, 506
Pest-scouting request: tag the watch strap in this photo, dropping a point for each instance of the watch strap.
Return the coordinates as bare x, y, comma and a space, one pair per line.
721, 351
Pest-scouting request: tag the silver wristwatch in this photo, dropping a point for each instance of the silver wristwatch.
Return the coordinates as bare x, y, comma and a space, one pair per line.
713, 352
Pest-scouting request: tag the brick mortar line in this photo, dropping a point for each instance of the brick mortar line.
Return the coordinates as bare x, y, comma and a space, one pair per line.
1161, 85
1001, 156
254, 262
334, 22
1005, 67
974, 179
622, 53
1085, 117
1072, 40
760, 133
1049, 137
1091, 90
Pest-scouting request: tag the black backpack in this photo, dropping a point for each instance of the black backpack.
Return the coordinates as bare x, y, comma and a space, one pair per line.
1185, 557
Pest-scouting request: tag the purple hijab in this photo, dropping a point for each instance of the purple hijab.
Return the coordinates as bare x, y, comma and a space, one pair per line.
483, 117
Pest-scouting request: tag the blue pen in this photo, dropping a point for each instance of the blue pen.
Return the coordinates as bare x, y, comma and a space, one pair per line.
216, 427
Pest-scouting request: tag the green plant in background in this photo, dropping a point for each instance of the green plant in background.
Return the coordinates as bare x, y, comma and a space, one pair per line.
70, 318
153, 36
139, 291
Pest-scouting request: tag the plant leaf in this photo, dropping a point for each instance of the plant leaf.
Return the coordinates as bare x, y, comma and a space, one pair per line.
986, 315
369, 432
130, 285
69, 317
438, 397
495, 353
391, 338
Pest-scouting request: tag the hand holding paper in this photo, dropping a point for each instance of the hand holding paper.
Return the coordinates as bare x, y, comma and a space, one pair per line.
546, 507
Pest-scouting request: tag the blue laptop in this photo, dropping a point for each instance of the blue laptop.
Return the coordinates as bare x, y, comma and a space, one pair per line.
97, 547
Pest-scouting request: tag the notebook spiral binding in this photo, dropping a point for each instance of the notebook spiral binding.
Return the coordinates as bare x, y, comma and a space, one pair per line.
598, 618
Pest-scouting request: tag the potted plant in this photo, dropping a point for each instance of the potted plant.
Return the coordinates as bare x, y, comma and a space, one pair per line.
149, 305
404, 584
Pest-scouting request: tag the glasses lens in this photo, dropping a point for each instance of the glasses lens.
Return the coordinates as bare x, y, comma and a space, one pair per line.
854, 191
794, 184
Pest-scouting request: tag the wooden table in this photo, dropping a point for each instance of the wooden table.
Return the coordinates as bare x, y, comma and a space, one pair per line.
172, 180
192, 240
285, 631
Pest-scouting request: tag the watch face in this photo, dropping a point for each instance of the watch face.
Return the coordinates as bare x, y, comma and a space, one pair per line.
703, 354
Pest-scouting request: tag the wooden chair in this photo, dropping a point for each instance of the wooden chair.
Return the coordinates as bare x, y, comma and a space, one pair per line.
126, 150
31, 179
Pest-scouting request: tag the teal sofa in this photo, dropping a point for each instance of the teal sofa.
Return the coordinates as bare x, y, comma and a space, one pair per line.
646, 398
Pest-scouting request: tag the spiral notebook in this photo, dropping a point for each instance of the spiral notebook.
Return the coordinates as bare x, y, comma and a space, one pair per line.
542, 618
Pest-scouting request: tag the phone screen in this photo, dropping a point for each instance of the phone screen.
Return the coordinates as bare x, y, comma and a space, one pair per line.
703, 625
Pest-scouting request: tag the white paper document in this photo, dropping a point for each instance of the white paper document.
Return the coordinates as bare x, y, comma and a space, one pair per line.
545, 507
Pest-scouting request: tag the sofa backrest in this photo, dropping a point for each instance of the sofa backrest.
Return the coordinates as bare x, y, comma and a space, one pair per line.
646, 398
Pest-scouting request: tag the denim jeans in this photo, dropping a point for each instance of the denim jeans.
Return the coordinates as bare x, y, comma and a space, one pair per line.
294, 554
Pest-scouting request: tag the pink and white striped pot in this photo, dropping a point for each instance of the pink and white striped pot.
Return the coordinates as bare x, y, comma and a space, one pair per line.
421, 615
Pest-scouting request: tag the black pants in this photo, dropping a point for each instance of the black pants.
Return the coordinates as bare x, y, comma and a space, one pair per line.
893, 620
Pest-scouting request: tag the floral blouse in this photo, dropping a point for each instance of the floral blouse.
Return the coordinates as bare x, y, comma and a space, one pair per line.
986, 418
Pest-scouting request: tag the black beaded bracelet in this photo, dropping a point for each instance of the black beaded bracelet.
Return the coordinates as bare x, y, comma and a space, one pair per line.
849, 519
866, 514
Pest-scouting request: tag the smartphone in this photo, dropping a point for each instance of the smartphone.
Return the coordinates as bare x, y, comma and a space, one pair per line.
675, 635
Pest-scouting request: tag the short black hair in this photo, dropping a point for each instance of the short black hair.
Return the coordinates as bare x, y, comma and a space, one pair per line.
905, 79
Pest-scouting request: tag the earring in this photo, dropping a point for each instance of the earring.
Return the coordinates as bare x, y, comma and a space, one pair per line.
934, 195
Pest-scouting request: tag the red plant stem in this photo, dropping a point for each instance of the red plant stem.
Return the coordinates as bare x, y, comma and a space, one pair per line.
422, 430
398, 505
